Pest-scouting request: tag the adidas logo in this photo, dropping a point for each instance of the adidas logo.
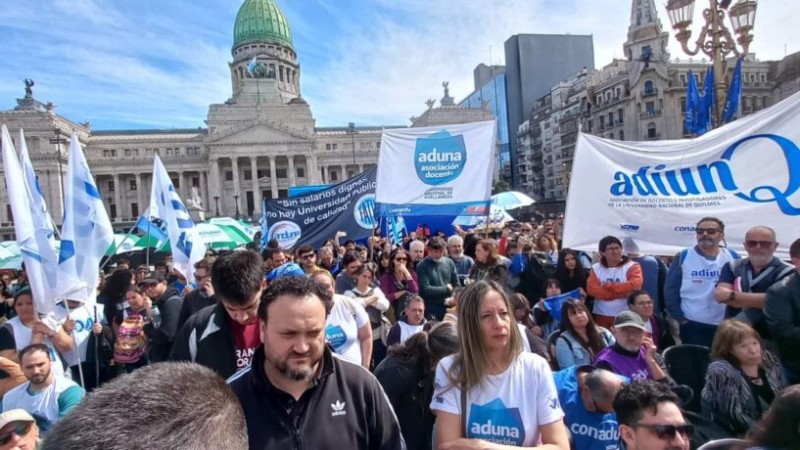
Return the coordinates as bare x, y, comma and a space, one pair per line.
338, 408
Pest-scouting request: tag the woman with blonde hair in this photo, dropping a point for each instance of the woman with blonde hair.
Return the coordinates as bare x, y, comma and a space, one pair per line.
491, 394
742, 380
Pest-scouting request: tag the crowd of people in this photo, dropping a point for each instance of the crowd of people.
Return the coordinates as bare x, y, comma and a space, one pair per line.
475, 340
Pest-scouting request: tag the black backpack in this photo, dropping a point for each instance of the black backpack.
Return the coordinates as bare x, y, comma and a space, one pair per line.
538, 269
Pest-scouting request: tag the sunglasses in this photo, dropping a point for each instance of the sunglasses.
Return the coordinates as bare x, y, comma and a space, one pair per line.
401, 259
307, 256
21, 429
707, 230
762, 244
668, 432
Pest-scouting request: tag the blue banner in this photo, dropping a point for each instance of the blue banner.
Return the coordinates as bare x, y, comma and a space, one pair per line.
734, 92
313, 218
553, 304
706, 109
692, 105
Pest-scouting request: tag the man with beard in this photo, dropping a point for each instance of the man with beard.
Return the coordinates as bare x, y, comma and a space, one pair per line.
45, 396
691, 280
437, 278
455, 251
743, 283
650, 419
309, 395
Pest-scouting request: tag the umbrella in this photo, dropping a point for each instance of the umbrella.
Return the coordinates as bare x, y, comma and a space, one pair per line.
222, 237
10, 256
126, 243
511, 200
246, 230
497, 216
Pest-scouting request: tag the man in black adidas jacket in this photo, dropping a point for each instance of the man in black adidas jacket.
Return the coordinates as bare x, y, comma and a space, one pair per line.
297, 394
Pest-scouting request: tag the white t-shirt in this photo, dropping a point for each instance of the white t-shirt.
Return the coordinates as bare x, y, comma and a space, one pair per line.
510, 407
84, 317
341, 328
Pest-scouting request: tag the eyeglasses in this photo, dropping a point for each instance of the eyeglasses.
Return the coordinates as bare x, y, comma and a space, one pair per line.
200, 277
707, 230
21, 429
307, 256
762, 244
667, 432
401, 259
526, 230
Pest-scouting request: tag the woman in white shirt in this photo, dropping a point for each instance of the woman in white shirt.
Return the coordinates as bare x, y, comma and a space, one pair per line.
347, 327
492, 395
376, 304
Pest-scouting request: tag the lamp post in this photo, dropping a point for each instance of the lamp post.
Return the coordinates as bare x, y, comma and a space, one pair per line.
236, 200
216, 204
353, 139
57, 131
715, 39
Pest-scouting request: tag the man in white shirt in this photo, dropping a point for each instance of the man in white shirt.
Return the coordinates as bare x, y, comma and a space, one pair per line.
407, 326
691, 279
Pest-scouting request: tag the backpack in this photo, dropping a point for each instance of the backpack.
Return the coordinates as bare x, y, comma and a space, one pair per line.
131, 343
538, 269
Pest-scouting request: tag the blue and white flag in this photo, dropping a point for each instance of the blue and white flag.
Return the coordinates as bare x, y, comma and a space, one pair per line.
553, 304
734, 93
187, 249
42, 219
445, 168
86, 234
692, 105
264, 225
251, 66
148, 225
706, 108
37, 253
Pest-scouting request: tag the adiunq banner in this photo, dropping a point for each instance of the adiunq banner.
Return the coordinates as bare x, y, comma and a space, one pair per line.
653, 193
435, 170
311, 219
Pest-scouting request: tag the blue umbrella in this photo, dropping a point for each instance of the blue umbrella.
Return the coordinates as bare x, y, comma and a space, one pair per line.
511, 200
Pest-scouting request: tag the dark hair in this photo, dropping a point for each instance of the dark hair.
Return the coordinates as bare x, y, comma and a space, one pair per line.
205, 263
712, 219
394, 254
305, 248
350, 257
33, 348
595, 341
605, 242
237, 276
270, 251
550, 282
295, 286
24, 291
633, 399
780, 426
116, 285
635, 293
519, 301
361, 248
369, 266
177, 405
136, 289
794, 249
436, 243
160, 264
425, 348
489, 246
562, 273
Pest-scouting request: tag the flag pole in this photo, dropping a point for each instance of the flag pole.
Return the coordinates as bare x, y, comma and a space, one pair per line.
108, 258
147, 248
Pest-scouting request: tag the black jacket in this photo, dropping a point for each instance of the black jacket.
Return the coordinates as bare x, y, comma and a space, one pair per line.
782, 311
346, 408
160, 338
193, 303
206, 339
410, 391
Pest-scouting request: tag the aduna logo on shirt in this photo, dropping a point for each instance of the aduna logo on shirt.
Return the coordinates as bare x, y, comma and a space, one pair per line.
496, 423
335, 335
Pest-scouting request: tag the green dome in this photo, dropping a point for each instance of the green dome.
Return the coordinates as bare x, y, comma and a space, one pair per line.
261, 21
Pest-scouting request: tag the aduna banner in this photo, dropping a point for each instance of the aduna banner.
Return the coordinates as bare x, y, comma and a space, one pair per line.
653, 193
439, 170
311, 219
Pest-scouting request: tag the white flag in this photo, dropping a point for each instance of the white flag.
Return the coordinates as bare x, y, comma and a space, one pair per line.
86, 234
42, 219
37, 254
186, 248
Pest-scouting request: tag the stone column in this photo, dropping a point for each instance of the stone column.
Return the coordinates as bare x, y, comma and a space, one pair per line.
117, 201
312, 171
273, 177
292, 178
323, 176
139, 189
184, 193
207, 202
236, 186
256, 188
216, 183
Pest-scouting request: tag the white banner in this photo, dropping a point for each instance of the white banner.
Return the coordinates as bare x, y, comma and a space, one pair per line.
436, 170
746, 174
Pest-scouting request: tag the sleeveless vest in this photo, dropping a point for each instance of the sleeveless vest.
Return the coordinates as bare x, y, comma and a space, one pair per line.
699, 277
617, 274
633, 368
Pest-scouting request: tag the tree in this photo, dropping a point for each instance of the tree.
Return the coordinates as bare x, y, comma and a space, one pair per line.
500, 186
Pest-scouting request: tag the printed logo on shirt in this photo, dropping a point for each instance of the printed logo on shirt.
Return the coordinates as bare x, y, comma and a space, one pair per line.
706, 274
335, 336
553, 403
338, 408
639, 375
606, 431
244, 357
496, 423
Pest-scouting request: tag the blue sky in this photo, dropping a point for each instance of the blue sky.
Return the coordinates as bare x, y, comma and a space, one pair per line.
160, 63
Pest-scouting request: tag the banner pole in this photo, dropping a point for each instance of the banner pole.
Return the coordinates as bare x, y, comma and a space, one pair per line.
147, 248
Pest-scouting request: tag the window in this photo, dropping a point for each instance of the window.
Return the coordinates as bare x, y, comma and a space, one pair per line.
651, 131
228, 175
169, 151
682, 77
111, 186
648, 87
334, 175
248, 175
106, 153
621, 135
650, 108
176, 182
127, 152
135, 209
262, 174
621, 115
301, 172
196, 182
610, 119
334, 146
647, 52
351, 173
378, 145
280, 172
327, 146
132, 184
602, 122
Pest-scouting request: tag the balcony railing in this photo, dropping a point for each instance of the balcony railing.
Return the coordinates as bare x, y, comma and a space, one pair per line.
650, 92
650, 113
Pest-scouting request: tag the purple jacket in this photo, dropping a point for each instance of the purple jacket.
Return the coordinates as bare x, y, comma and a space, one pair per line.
390, 285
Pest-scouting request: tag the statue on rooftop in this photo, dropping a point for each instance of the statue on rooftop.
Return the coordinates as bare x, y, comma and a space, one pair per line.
29, 88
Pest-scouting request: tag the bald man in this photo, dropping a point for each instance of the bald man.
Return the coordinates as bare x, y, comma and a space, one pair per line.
743, 283
587, 398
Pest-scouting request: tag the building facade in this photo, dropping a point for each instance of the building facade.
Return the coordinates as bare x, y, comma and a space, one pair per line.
642, 97
257, 143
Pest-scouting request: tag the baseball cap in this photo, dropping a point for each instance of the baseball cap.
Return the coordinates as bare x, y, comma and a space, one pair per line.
153, 278
629, 319
15, 415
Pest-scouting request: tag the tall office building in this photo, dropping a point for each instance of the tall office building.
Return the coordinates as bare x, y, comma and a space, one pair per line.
535, 63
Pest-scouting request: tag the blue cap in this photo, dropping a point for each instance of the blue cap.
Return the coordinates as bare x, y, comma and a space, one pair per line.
288, 269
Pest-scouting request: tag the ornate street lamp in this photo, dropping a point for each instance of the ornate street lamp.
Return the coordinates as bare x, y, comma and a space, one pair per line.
715, 39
